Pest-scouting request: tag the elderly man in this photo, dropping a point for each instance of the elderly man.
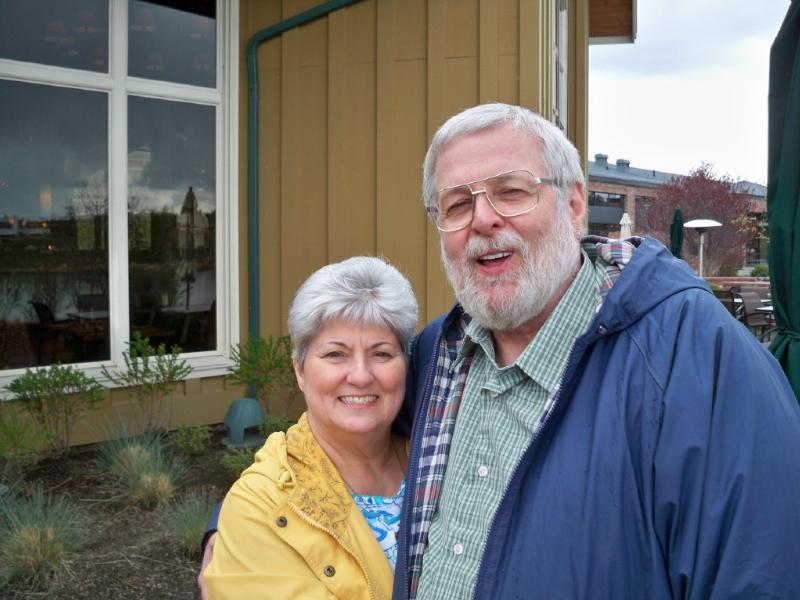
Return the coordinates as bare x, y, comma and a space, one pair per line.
589, 420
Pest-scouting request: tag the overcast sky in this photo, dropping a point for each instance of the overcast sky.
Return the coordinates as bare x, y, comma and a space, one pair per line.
691, 89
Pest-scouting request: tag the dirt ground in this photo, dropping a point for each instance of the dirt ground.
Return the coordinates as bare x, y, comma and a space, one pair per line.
129, 555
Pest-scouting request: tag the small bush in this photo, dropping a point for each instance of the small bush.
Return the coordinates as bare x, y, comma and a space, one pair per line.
21, 442
186, 519
140, 468
236, 460
760, 270
38, 536
56, 397
152, 373
273, 423
265, 365
192, 440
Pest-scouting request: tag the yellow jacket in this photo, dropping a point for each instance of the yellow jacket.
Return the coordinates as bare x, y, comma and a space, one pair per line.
290, 530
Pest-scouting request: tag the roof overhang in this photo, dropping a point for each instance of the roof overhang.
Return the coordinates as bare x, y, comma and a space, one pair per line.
612, 21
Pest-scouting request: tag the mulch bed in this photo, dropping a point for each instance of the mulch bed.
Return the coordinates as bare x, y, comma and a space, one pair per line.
129, 554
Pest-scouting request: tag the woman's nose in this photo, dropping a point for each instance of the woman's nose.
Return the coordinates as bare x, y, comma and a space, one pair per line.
360, 374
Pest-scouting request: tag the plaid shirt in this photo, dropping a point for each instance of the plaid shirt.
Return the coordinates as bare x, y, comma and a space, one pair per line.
609, 258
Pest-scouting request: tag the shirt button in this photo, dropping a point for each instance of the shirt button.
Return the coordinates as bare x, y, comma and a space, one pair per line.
483, 471
329, 571
458, 549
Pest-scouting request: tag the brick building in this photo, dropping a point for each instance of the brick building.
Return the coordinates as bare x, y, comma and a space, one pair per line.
617, 188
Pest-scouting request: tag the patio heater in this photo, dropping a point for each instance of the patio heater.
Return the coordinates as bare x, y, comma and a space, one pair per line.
701, 225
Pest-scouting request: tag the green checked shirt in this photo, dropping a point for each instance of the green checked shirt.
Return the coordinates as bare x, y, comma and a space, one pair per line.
499, 411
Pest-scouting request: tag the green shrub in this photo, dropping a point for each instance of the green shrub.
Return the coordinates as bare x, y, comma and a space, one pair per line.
186, 519
152, 373
273, 423
39, 534
192, 440
21, 441
140, 468
265, 366
760, 270
236, 460
56, 397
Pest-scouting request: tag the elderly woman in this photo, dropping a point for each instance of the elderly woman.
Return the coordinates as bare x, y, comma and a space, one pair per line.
316, 515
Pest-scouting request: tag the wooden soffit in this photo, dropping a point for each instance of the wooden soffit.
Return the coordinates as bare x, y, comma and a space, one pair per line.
612, 21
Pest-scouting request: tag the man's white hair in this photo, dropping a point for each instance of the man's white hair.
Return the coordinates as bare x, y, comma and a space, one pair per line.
559, 155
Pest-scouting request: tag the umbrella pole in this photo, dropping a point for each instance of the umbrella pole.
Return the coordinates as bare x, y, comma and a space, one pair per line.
702, 243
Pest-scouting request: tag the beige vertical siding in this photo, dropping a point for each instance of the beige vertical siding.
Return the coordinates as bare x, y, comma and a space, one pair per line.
348, 105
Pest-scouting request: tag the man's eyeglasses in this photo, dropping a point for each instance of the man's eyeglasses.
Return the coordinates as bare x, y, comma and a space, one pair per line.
511, 194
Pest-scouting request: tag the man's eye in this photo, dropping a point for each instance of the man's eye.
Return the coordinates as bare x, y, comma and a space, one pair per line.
512, 194
458, 206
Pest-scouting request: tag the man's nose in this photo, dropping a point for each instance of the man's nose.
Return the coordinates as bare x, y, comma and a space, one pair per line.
484, 216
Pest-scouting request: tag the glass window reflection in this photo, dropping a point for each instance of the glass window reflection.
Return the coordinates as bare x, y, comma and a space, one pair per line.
53, 225
173, 40
172, 222
68, 33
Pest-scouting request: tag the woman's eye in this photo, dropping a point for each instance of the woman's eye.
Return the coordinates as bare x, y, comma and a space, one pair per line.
333, 354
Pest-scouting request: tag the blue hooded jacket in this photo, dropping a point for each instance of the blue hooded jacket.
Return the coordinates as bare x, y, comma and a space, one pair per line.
669, 467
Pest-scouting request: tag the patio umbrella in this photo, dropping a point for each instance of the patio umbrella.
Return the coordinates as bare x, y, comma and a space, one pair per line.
783, 192
676, 234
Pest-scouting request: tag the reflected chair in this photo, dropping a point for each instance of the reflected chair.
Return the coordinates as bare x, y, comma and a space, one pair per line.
49, 331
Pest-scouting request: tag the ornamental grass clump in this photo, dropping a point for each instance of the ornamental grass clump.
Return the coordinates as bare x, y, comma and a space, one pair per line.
39, 535
186, 519
141, 469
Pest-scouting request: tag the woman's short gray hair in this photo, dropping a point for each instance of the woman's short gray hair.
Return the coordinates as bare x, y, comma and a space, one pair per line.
364, 290
559, 155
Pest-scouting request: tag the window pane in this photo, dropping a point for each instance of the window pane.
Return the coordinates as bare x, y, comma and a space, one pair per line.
173, 40
67, 33
53, 225
171, 222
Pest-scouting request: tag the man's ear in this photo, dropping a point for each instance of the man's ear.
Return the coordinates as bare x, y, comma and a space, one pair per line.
576, 206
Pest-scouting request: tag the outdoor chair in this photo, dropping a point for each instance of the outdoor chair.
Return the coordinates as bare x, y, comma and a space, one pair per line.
728, 300
756, 321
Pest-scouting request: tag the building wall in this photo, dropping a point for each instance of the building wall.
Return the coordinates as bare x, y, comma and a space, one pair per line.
348, 105
630, 192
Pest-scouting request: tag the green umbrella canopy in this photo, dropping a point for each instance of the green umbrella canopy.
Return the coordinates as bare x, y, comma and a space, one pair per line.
676, 234
783, 192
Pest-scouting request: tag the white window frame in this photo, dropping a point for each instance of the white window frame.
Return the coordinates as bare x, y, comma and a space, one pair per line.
560, 72
118, 86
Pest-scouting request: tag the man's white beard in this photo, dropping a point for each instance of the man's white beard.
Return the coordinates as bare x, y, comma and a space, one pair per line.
506, 301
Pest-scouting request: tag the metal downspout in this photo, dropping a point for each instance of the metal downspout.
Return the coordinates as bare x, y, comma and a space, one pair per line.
253, 291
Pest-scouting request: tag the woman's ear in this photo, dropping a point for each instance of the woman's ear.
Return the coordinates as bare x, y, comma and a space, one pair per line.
298, 373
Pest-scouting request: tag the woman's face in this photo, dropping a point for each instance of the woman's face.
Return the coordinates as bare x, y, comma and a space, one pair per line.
353, 378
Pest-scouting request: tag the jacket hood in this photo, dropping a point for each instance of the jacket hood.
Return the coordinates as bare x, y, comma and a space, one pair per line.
651, 276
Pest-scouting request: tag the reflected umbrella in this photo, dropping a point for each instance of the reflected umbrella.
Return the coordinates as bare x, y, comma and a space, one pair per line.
783, 193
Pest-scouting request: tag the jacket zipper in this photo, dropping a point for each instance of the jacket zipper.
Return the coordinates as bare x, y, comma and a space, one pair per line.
308, 520
413, 459
567, 371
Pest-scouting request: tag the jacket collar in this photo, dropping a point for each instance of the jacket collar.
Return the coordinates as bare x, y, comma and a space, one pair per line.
319, 491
